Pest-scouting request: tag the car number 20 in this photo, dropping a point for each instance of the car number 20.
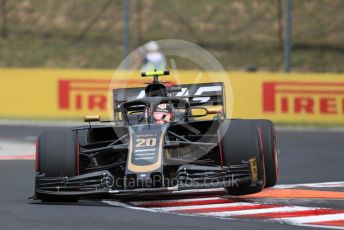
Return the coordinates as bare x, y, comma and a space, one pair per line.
145, 142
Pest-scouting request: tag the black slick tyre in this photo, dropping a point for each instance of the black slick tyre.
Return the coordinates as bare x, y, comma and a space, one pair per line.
57, 156
239, 142
268, 134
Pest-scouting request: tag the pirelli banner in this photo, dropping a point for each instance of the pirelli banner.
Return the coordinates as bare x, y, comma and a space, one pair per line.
70, 94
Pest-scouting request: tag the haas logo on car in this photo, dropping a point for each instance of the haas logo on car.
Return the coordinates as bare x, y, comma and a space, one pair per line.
196, 94
193, 93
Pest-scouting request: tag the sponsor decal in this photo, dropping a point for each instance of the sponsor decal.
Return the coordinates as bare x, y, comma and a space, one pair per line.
311, 98
80, 94
90, 94
197, 94
145, 148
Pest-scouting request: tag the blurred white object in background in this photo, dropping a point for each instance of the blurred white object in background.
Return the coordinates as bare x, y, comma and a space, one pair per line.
153, 58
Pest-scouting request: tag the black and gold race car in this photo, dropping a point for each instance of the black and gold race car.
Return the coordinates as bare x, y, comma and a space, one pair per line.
162, 140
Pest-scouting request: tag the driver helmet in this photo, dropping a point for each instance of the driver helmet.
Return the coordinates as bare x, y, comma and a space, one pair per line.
163, 113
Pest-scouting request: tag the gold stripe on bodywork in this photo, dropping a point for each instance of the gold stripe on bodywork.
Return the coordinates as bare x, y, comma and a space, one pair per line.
145, 168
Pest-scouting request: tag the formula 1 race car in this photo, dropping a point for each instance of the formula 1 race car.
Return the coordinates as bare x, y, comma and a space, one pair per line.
162, 140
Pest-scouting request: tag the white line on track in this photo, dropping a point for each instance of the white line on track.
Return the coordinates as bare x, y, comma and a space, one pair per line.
318, 226
176, 200
312, 219
200, 207
14, 148
213, 207
257, 211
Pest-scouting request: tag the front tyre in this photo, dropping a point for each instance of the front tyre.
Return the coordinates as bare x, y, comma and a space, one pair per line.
57, 156
268, 135
239, 141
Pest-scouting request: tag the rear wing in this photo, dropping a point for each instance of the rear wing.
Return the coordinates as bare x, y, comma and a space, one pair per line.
202, 94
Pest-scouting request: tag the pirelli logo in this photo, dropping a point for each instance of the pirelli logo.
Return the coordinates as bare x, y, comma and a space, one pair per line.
318, 98
87, 94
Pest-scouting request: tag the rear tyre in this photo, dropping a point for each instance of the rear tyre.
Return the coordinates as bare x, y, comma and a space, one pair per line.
239, 141
57, 156
268, 135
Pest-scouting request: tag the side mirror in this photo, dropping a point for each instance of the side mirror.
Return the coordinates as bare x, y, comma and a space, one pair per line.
202, 111
199, 112
214, 110
92, 118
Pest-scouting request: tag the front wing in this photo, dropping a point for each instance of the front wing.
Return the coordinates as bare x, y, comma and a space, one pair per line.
101, 184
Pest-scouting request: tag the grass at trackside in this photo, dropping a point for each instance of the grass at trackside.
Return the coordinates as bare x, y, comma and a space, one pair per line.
238, 33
